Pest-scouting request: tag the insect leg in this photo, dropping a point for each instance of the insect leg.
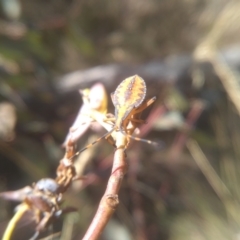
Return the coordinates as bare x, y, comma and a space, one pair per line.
145, 105
141, 121
109, 118
44, 222
140, 139
111, 141
145, 140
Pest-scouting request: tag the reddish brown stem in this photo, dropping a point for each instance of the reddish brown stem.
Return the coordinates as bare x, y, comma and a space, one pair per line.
109, 201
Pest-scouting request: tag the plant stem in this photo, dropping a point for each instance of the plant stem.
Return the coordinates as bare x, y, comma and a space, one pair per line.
109, 201
13, 222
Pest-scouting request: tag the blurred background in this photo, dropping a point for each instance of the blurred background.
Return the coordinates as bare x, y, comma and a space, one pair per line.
187, 51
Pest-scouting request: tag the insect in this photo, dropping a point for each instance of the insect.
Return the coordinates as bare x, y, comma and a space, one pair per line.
128, 100
94, 98
43, 199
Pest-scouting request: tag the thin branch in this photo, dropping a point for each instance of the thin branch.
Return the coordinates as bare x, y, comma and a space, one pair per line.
109, 201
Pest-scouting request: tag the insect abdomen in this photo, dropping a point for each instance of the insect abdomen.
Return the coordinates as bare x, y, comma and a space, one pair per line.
131, 92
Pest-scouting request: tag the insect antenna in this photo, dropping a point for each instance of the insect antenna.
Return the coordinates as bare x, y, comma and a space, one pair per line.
157, 144
96, 141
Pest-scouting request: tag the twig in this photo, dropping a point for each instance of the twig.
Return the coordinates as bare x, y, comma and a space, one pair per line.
109, 201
